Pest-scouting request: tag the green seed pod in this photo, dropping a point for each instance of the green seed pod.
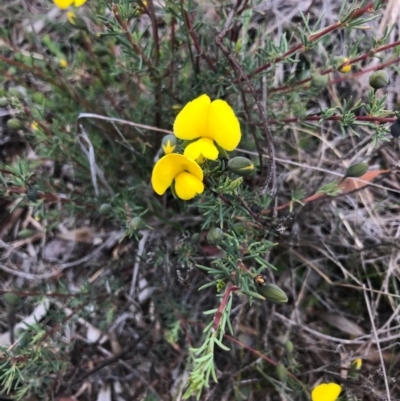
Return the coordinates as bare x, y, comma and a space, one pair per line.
168, 144
25, 233
11, 298
17, 91
38, 97
273, 293
319, 81
15, 123
215, 236
357, 170
76, 21
105, 208
379, 79
195, 239
24, 338
222, 152
281, 372
136, 223
4, 102
241, 166
395, 129
289, 347
100, 50
31, 193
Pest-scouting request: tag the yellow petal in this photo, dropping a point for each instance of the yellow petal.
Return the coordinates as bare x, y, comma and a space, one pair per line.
79, 3
223, 125
191, 122
63, 4
202, 148
187, 186
326, 392
168, 167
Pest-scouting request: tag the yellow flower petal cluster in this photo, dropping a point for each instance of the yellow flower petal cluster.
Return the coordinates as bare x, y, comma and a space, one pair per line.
63, 4
208, 123
184, 173
326, 392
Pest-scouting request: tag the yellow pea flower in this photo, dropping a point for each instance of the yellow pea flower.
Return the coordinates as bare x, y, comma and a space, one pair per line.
326, 392
210, 123
63, 4
63, 63
184, 173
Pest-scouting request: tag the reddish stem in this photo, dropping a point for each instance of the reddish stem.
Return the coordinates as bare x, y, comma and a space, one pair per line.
217, 318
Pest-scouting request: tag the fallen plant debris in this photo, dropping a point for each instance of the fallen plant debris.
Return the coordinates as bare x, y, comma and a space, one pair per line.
199, 200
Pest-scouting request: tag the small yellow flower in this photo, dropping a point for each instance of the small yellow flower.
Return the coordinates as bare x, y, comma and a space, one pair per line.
34, 126
177, 169
208, 123
326, 392
63, 4
63, 63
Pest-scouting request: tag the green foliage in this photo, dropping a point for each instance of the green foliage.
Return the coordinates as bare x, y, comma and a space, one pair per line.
99, 95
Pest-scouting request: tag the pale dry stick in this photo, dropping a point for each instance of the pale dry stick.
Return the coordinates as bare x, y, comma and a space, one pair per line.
122, 121
377, 345
89, 153
328, 280
115, 237
336, 339
349, 229
94, 168
295, 312
285, 161
141, 247
392, 267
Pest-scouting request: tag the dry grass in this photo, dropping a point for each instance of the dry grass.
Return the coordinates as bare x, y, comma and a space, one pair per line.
338, 259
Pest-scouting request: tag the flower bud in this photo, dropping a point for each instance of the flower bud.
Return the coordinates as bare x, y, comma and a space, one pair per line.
215, 236
281, 372
136, 223
26, 233
241, 166
379, 79
289, 347
357, 364
195, 239
63, 63
18, 91
76, 21
319, 81
273, 293
355, 367
31, 193
15, 123
357, 170
395, 129
105, 208
168, 144
11, 298
100, 50
342, 68
4, 102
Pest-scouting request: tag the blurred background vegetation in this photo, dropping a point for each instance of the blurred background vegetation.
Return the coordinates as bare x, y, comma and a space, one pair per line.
100, 276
